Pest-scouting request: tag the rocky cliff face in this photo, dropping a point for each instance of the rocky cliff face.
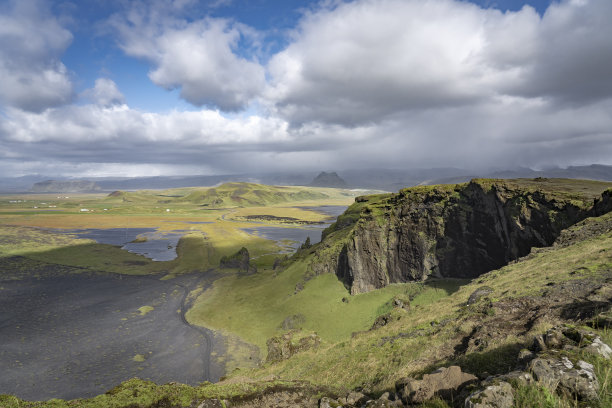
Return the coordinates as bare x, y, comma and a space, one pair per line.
459, 231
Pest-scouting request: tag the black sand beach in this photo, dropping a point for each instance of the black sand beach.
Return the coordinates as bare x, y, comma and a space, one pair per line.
68, 335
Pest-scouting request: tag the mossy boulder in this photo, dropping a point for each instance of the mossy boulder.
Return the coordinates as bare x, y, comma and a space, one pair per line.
241, 260
284, 346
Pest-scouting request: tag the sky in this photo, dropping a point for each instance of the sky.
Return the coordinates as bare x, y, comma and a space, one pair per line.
180, 87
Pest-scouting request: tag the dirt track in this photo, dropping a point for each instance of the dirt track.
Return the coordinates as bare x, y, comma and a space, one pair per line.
76, 335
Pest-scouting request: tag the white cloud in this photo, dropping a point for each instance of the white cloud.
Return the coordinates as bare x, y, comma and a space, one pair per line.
368, 83
366, 60
105, 93
31, 44
363, 60
118, 134
198, 57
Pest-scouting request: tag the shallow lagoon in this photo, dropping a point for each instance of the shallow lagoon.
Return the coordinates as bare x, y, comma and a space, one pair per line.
333, 211
156, 245
290, 238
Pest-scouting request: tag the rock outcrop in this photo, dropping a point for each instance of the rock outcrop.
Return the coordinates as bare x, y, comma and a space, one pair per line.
493, 396
444, 382
241, 260
554, 363
284, 346
458, 231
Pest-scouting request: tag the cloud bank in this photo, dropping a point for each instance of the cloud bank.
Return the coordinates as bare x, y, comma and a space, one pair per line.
378, 83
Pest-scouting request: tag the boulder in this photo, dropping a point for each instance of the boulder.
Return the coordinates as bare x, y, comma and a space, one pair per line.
525, 356
327, 402
560, 375
493, 396
400, 302
599, 348
355, 398
478, 294
516, 376
566, 337
381, 321
293, 342
444, 382
278, 262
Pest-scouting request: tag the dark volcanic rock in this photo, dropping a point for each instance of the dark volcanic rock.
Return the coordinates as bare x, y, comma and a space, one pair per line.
328, 180
240, 260
603, 205
459, 231
479, 293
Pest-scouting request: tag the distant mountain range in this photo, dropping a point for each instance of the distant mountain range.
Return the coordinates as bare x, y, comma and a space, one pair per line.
379, 179
65, 186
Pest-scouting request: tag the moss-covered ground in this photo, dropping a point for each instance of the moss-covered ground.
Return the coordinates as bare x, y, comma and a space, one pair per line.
254, 307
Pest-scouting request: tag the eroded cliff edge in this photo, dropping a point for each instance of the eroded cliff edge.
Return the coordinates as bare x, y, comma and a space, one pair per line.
451, 231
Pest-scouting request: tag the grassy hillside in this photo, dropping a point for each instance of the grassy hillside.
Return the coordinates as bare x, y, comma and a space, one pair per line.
271, 296
551, 285
569, 282
431, 330
268, 298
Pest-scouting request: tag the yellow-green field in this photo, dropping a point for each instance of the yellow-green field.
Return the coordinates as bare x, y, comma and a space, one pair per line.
220, 213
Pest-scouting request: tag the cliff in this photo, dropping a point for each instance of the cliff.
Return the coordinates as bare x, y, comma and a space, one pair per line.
451, 231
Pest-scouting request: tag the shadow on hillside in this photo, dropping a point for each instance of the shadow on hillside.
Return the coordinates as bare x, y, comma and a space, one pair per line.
586, 309
450, 286
498, 360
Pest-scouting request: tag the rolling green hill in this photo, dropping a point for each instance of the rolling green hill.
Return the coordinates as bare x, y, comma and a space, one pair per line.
237, 194
249, 195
